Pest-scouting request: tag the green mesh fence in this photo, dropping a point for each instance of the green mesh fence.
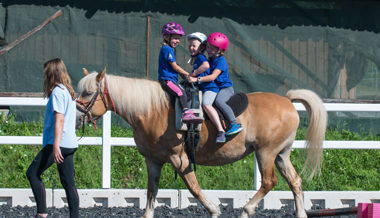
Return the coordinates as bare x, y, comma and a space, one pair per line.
274, 47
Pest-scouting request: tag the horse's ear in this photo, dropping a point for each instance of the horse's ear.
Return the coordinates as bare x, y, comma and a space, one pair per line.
101, 75
85, 72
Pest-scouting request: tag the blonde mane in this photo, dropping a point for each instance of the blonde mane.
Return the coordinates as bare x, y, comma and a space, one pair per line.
132, 96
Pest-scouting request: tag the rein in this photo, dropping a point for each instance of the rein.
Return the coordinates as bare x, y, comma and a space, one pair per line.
85, 107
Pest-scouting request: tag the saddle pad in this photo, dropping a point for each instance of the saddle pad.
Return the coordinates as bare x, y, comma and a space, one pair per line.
238, 104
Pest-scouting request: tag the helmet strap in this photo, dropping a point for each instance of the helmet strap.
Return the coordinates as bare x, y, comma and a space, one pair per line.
202, 48
193, 58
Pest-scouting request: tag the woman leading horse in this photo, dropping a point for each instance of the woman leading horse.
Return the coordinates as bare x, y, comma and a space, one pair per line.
270, 125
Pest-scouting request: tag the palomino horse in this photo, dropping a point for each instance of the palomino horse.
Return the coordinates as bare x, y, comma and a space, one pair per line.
270, 124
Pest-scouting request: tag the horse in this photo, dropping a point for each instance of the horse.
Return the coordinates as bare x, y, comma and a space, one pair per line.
270, 124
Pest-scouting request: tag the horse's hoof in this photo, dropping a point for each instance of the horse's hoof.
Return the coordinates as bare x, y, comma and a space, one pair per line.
148, 215
215, 212
215, 215
244, 215
301, 214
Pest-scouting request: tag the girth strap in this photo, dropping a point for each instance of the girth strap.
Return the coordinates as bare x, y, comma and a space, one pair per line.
191, 141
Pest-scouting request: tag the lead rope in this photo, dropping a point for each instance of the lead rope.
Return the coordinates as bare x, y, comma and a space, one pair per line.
83, 123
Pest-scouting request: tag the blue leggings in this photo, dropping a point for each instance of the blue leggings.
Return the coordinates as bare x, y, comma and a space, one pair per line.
221, 102
43, 161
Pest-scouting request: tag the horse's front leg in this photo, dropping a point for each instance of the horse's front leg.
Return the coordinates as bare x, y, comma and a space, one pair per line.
180, 163
154, 173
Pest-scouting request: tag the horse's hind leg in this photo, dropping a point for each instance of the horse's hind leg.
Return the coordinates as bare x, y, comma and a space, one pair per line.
295, 183
181, 165
265, 160
154, 173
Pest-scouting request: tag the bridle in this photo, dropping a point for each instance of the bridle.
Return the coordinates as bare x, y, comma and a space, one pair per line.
86, 106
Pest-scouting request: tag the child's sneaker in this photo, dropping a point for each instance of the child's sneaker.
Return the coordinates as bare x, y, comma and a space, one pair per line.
221, 137
234, 128
189, 117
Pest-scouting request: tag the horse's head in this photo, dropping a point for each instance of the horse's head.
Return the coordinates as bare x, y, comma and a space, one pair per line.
92, 102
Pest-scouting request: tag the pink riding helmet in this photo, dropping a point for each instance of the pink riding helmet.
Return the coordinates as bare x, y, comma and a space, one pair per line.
219, 40
172, 28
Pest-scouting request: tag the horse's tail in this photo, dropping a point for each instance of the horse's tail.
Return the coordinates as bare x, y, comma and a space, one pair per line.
317, 127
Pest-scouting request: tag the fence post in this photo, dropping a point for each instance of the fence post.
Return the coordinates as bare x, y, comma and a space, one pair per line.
106, 163
256, 176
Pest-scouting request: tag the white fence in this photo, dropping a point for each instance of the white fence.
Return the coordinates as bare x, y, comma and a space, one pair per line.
107, 141
183, 198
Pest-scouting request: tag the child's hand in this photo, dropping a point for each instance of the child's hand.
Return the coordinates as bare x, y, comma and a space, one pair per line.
191, 79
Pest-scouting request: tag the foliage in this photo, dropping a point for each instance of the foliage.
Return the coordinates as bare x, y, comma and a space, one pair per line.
341, 169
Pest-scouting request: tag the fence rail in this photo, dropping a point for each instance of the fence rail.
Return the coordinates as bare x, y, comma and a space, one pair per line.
107, 141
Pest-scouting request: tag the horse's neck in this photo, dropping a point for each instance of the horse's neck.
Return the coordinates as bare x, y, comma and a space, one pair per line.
153, 124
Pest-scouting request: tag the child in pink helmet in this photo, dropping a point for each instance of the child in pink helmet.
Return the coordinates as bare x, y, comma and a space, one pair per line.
168, 69
201, 68
217, 45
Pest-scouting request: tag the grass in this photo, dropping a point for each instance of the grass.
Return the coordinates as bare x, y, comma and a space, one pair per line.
341, 169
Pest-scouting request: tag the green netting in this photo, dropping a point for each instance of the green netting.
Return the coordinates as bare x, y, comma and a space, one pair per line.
2, 24
272, 56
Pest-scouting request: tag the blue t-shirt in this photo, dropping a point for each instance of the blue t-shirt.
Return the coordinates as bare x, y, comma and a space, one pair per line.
60, 101
165, 70
223, 80
204, 86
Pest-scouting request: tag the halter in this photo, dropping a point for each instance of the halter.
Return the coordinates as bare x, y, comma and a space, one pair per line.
85, 107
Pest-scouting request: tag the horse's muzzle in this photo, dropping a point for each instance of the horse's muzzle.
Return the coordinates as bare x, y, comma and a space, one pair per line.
80, 117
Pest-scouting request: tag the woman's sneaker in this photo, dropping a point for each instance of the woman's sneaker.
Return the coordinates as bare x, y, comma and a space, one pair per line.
234, 128
221, 137
189, 117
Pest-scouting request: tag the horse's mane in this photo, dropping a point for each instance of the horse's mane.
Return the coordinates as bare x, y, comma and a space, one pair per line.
132, 96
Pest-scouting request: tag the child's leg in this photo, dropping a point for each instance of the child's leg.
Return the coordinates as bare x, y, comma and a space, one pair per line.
214, 117
175, 90
41, 162
66, 174
208, 99
221, 102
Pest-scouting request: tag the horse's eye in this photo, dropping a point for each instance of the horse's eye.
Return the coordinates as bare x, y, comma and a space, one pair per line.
87, 93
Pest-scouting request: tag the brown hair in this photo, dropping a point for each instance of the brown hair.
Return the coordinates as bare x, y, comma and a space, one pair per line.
166, 40
55, 72
202, 47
